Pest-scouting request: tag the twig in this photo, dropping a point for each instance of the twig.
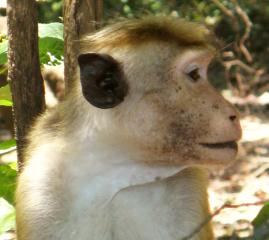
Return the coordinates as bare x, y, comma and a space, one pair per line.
216, 212
244, 57
228, 80
240, 83
230, 14
224, 9
247, 68
246, 34
227, 54
3, 152
258, 172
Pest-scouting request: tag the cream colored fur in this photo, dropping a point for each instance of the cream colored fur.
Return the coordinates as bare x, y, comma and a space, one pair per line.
106, 195
136, 171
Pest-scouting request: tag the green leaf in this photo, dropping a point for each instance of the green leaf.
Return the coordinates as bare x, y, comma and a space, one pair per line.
7, 144
3, 52
7, 216
51, 30
5, 93
51, 43
262, 216
14, 165
261, 224
50, 50
8, 183
6, 103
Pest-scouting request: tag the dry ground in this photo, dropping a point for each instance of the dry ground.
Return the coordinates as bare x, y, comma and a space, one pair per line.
247, 180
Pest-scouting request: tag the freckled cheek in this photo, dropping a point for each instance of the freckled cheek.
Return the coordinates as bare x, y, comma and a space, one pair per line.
167, 124
178, 133
186, 128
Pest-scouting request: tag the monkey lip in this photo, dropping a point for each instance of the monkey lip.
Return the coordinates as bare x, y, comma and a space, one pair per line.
231, 145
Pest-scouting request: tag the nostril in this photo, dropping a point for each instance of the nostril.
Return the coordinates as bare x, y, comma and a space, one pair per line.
232, 118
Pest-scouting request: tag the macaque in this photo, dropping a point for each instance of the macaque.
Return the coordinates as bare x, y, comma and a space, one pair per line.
126, 155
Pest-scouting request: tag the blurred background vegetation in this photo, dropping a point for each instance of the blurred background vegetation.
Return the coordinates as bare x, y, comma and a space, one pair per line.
247, 74
240, 25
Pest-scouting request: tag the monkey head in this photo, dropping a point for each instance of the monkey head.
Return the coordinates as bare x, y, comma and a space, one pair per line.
156, 94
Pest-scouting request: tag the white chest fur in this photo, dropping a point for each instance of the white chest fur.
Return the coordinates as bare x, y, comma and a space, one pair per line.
128, 201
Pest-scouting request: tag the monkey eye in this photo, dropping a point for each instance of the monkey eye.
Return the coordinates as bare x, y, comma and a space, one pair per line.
194, 74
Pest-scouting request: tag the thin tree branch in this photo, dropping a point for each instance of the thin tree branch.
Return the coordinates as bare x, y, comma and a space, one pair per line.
230, 14
224, 9
3, 152
236, 17
216, 212
246, 34
241, 64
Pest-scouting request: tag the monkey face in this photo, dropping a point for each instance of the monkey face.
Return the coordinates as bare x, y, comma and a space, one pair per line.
170, 113
182, 119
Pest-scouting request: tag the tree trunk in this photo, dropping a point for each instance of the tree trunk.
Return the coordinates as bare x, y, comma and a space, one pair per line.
24, 73
80, 17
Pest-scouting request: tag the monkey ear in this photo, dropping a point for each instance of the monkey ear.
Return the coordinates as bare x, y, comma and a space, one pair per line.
102, 80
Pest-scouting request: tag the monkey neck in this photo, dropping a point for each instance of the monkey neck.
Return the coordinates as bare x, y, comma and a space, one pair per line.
110, 169
113, 185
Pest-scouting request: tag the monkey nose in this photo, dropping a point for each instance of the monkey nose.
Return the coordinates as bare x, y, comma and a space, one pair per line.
234, 119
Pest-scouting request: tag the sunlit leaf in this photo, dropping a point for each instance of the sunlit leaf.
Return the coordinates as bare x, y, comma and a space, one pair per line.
8, 183
3, 52
5, 93
6, 103
51, 43
7, 216
51, 30
13, 165
50, 50
7, 144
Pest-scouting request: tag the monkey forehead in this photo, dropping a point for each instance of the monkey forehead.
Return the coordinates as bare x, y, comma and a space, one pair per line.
139, 31
193, 56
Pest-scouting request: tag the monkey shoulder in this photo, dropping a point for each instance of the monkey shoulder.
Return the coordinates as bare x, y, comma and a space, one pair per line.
45, 132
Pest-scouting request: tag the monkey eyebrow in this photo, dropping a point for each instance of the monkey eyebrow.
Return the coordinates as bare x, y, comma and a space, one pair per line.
206, 57
200, 57
203, 56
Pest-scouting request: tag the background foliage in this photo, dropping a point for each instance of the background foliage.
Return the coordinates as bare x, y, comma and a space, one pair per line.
240, 81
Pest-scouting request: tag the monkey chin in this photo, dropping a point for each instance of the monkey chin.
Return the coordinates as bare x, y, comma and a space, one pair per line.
219, 154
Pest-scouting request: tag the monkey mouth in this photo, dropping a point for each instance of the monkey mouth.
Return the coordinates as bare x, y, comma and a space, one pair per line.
230, 145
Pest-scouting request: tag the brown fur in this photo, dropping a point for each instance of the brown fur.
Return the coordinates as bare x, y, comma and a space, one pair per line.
163, 120
137, 32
